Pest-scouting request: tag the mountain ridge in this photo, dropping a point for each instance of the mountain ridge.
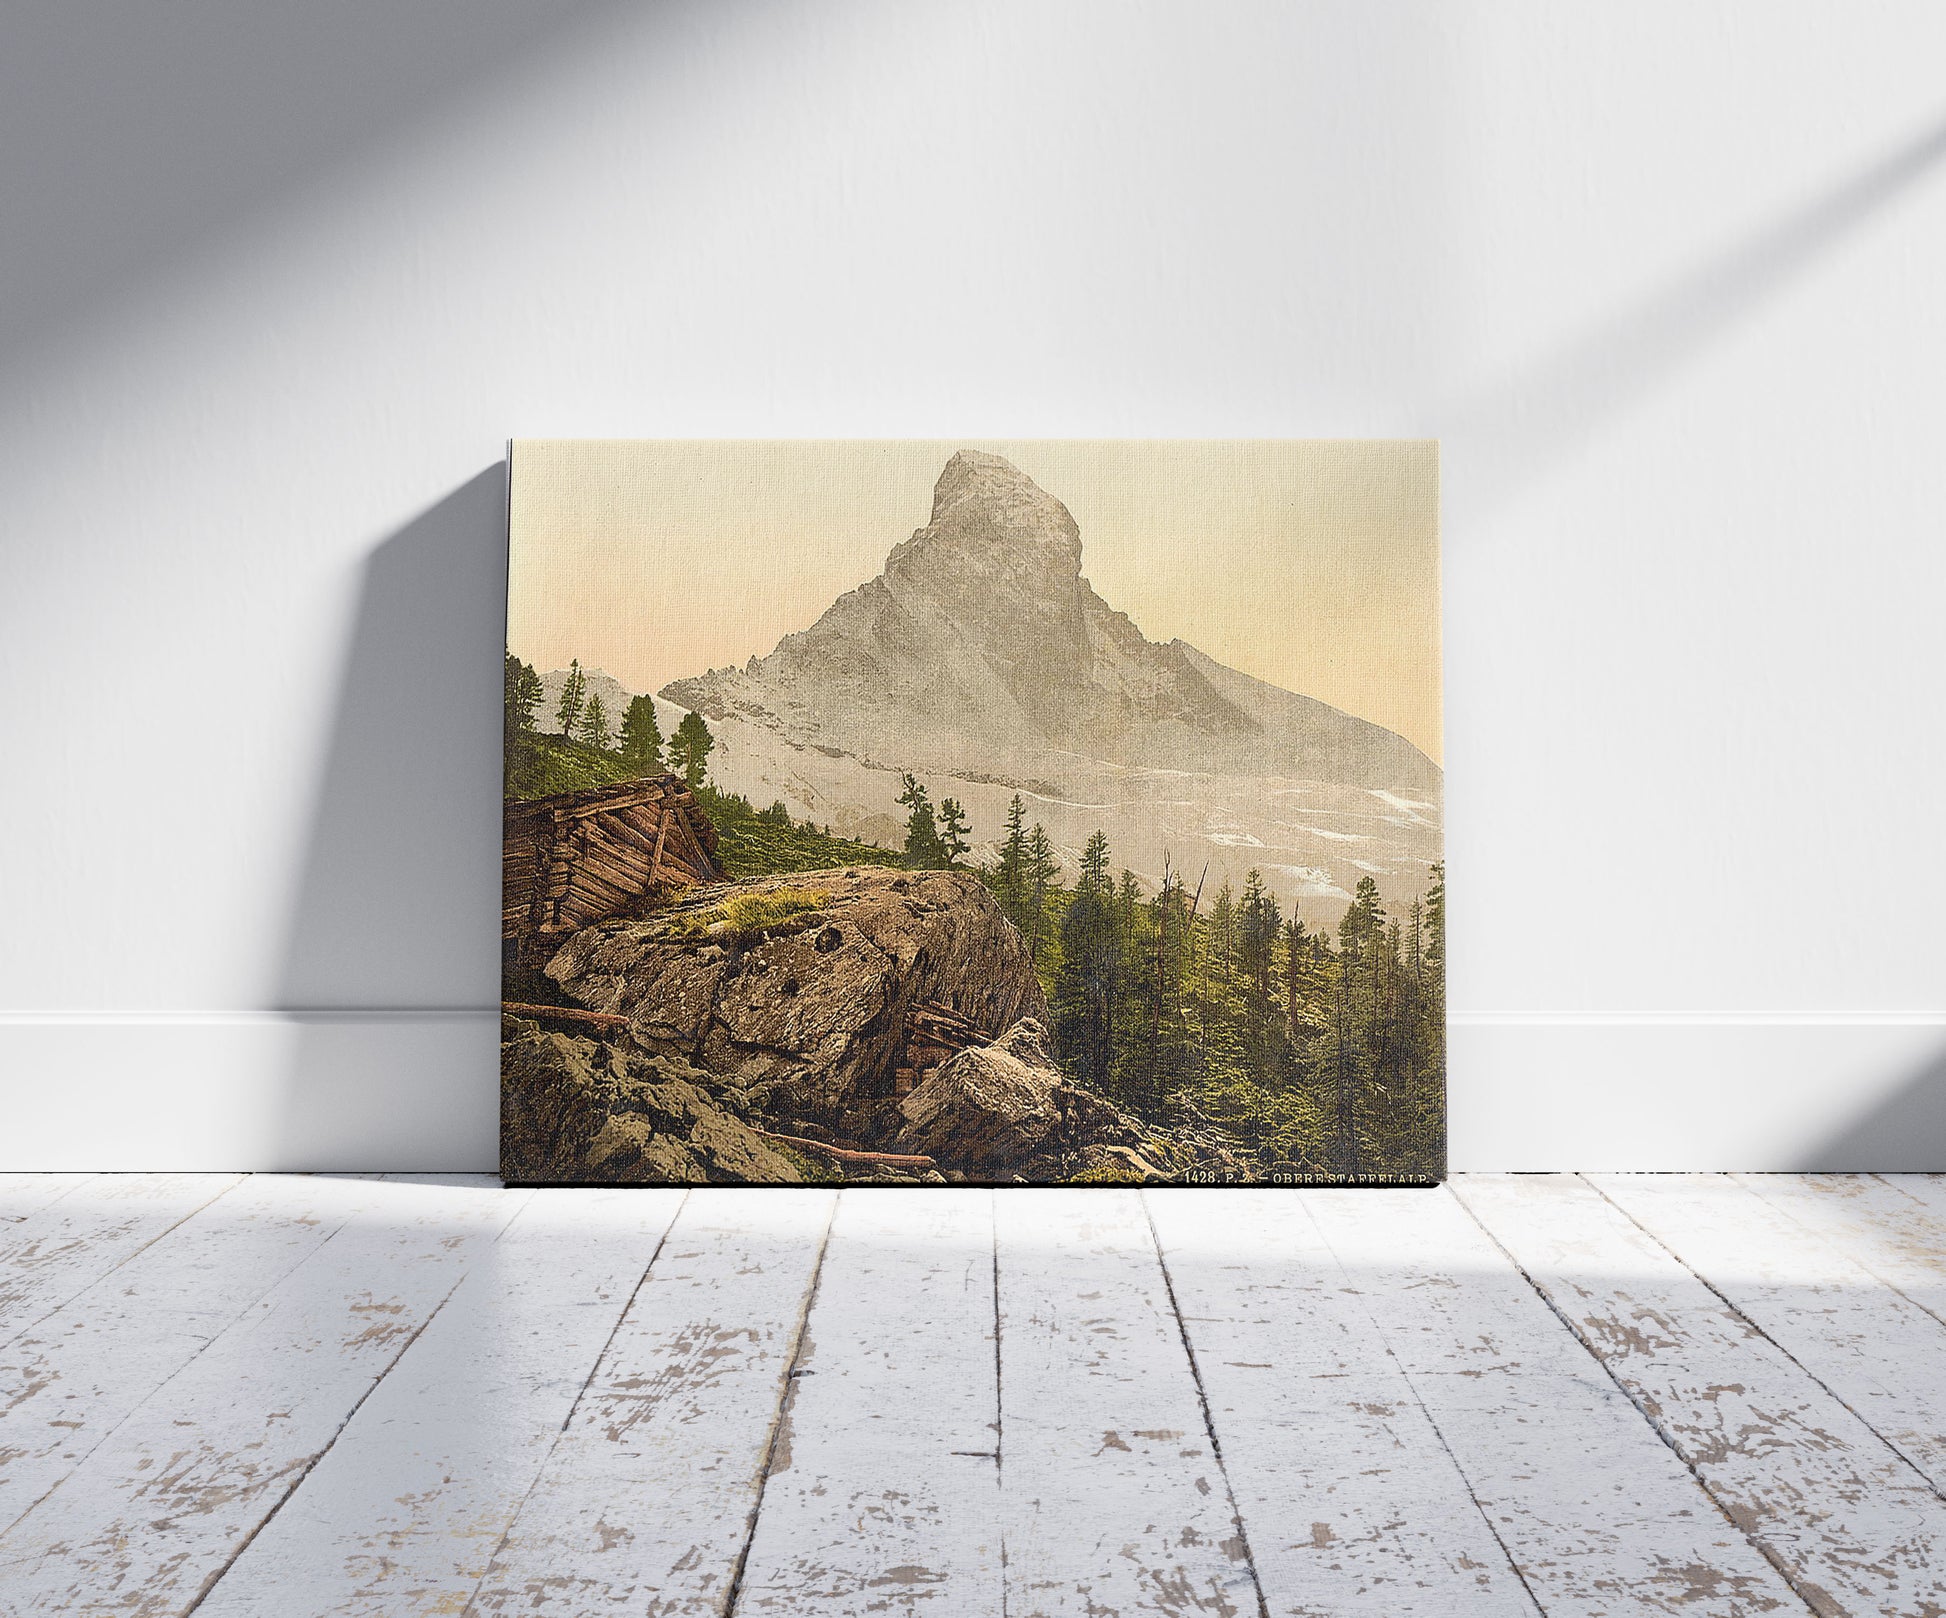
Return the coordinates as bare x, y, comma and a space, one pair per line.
981, 645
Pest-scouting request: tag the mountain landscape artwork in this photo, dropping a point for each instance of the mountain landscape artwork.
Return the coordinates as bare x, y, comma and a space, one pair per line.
998, 813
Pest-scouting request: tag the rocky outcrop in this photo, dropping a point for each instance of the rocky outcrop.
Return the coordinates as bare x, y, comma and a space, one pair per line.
793, 990
581, 1110
784, 1007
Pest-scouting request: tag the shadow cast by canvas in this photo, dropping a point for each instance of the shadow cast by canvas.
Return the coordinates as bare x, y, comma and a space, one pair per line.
391, 956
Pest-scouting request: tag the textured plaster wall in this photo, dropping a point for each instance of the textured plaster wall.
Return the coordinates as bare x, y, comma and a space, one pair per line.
1664, 278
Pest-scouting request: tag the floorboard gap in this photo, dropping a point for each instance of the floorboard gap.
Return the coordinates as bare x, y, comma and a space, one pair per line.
1202, 1401
1756, 1330
999, 1407
533, 1483
780, 1424
1812, 1606
215, 1577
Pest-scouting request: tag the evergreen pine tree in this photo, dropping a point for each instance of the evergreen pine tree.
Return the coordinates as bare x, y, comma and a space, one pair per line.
1297, 964
593, 729
953, 827
1010, 876
1258, 919
641, 739
1222, 931
1258, 923
523, 694
1432, 1015
690, 748
1436, 931
922, 844
1128, 903
1358, 1048
1346, 1072
1089, 981
1363, 921
1042, 868
574, 692
1160, 1056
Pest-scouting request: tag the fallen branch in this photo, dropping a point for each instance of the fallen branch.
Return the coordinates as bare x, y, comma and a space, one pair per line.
597, 1019
898, 1160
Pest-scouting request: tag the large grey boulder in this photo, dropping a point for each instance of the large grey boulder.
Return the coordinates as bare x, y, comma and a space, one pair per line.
988, 1109
794, 988
1005, 1111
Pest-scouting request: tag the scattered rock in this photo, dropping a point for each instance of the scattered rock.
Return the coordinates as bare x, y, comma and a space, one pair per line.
793, 1020
580, 1110
1114, 1165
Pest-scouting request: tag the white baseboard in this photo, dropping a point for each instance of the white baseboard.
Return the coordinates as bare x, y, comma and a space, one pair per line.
417, 1090
1665, 1093
250, 1090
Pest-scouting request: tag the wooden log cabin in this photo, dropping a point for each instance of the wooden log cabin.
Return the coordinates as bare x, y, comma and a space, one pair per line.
581, 857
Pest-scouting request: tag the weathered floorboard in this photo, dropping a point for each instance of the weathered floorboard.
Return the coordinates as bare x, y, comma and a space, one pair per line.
1892, 1224
1873, 1348
69, 1380
1596, 1512
1927, 1189
884, 1495
646, 1503
1850, 1521
23, 1194
65, 1246
162, 1505
1351, 1503
328, 1396
404, 1511
1113, 1498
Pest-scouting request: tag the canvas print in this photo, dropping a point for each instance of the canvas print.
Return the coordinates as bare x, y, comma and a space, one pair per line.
973, 813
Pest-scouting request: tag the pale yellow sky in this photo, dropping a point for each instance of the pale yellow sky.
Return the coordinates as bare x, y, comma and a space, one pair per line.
1313, 564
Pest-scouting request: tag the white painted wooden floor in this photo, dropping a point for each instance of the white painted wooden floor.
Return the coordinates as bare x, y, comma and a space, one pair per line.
1565, 1395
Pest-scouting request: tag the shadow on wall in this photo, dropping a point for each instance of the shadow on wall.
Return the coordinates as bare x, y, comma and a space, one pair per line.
133, 139
1906, 1133
1514, 433
392, 955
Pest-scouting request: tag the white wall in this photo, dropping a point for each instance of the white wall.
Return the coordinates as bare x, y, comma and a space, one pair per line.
1666, 278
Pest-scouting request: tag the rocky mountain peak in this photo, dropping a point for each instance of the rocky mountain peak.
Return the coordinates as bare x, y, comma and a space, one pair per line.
989, 516
995, 482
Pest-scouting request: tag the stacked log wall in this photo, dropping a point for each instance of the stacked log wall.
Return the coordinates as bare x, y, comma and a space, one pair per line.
581, 857
934, 1034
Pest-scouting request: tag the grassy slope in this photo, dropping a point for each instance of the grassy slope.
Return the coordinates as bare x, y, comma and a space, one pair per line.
750, 844
545, 765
